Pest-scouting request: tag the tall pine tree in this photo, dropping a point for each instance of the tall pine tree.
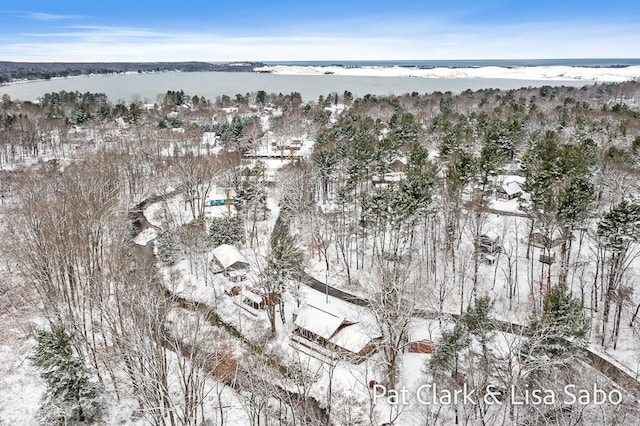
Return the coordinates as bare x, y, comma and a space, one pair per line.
72, 395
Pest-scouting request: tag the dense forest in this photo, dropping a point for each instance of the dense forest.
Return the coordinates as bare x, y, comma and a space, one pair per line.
401, 202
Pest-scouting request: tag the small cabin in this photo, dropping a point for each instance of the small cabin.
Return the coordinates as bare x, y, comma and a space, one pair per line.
489, 243
509, 191
296, 144
387, 178
228, 260
488, 259
548, 259
254, 298
398, 165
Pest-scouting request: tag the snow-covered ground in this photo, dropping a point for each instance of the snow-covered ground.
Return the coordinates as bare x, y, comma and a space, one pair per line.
518, 73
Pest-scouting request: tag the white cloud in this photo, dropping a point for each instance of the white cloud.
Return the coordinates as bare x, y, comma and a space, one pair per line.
39, 16
435, 41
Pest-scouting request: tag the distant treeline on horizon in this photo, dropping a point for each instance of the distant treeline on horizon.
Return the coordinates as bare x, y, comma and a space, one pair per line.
15, 71
12, 71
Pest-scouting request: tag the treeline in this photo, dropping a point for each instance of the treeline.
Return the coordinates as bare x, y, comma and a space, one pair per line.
11, 71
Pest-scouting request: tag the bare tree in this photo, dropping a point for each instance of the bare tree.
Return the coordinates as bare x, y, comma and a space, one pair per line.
196, 176
393, 295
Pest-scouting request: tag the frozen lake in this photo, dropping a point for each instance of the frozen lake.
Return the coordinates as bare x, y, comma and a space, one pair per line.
147, 87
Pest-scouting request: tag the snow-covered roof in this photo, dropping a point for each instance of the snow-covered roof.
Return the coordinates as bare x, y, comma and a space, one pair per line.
421, 330
513, 178
511, 188
389, 177
353, 338
255, 298
492, 235
319, 322
394, 176
227, 255
335, 328
145, 236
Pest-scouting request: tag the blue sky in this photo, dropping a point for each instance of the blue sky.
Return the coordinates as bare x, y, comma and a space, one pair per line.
142, 30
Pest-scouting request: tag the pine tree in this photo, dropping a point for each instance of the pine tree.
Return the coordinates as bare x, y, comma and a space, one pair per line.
619, 229
227, 231
285, 263
562, 326
573, 211
475, 322
448, 351
421, 179
167, 248
477, 319
72, 396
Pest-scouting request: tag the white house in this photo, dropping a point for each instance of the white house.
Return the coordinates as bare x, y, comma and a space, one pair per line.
228, 260
509, 191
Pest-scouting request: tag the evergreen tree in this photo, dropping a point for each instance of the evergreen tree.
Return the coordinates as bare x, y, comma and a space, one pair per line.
72, 396
574, 207
225, 230
618, 230
421, 179
490, 161
477, 319
447, 354
561, 328
286, 259
621, 227
285, 263
166, 247
475, 322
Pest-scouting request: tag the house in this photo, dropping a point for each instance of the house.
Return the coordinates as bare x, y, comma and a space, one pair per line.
387, 178
228, 260
398, 165
548, 259
333, 335
509, 191
489, 243
296, 144
254, 298
421, 337
250, 299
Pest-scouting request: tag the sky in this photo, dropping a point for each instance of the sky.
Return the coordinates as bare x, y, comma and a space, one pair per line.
272, 30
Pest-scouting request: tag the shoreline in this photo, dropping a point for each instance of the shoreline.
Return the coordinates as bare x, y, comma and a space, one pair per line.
71, 77
525, 72
550, 72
